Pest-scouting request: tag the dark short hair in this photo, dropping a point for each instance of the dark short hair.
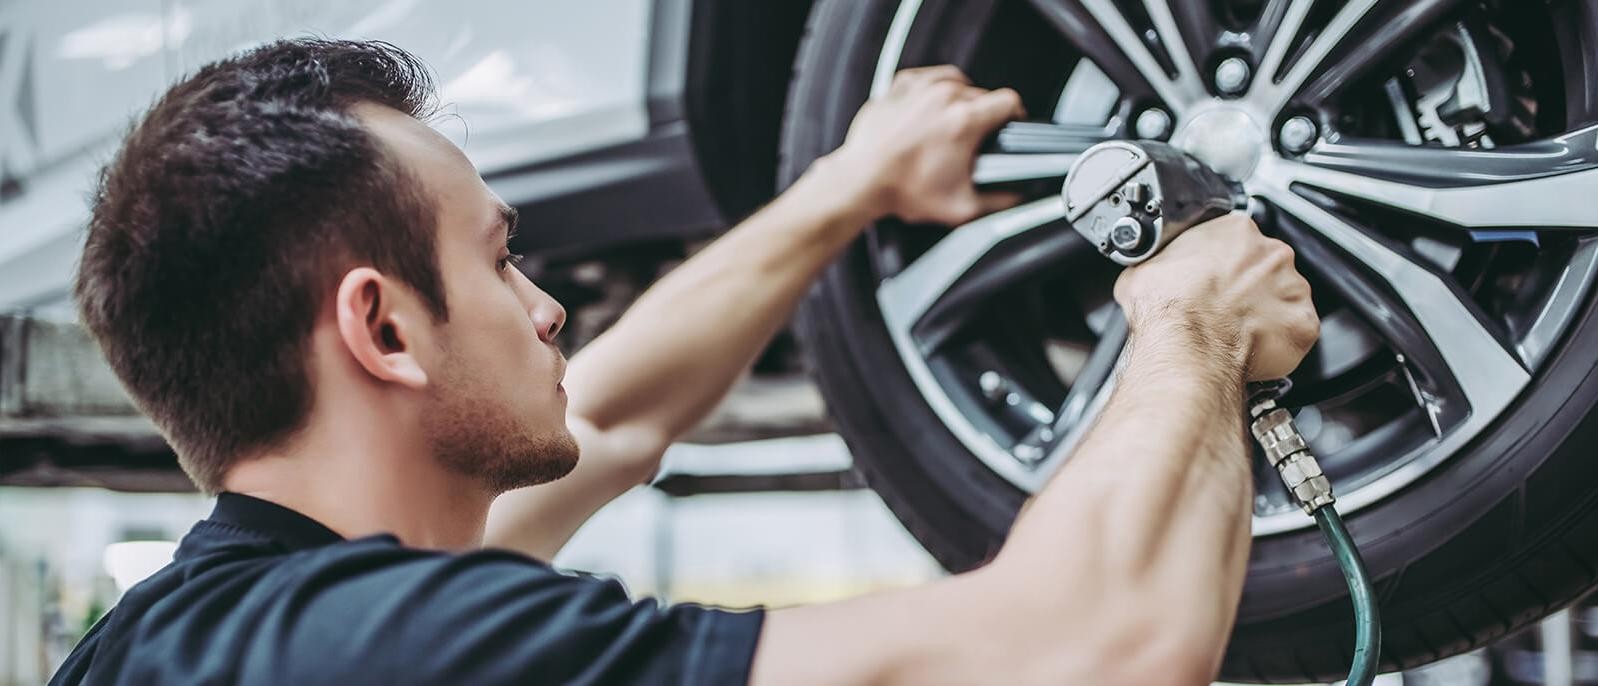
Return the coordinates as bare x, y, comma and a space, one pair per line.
226, 220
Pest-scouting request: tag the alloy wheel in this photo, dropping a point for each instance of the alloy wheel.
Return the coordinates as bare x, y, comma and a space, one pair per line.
1429, 183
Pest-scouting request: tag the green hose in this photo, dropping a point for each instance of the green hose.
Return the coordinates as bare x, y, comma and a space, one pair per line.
1367, 622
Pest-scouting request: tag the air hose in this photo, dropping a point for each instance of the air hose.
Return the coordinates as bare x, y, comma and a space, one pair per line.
1367, 621
1286, 450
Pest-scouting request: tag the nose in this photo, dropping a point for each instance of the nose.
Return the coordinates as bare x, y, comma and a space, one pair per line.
547, 314
549, 317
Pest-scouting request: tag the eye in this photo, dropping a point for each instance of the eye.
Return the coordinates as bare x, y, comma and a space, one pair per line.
508, 260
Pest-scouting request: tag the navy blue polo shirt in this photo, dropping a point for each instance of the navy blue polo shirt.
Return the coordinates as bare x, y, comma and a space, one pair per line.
260, 594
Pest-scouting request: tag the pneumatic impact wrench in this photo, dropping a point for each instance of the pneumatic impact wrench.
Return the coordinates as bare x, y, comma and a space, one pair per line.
1132, 198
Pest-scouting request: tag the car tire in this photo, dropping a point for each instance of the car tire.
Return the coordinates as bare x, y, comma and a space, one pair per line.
1502, 534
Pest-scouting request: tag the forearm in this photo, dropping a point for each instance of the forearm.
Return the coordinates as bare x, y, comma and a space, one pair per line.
1149, 519
1125, 569
1128, 566
675, 353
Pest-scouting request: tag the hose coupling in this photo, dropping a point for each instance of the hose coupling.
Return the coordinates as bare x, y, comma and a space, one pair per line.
1286, 450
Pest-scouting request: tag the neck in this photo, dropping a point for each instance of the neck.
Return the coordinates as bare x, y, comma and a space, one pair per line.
361, 465
364, 482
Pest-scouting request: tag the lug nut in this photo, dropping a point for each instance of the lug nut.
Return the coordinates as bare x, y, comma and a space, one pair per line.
1297, 134
1231, 76
993, 386
1153, 124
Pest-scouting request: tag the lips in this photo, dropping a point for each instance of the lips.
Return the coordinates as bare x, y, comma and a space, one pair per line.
560, 371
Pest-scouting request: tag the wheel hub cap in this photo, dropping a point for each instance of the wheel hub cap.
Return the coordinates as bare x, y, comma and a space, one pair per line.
1225, 138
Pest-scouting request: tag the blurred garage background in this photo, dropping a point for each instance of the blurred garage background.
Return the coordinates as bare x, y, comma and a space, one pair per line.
564, 107
630, 132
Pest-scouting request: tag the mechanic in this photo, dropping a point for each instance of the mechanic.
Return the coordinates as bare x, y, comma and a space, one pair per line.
309, 291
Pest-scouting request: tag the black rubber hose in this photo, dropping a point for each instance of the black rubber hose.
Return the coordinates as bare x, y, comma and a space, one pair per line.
1367, 620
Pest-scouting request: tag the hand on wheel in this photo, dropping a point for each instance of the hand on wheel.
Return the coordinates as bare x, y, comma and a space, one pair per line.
916, 146
1226, 284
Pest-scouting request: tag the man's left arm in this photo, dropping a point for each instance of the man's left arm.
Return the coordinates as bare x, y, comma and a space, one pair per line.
677, 351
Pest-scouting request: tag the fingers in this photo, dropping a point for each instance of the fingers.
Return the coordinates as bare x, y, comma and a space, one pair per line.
995, 105
909, 79
991, 109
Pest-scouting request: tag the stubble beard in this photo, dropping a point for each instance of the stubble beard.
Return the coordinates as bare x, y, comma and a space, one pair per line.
473, 436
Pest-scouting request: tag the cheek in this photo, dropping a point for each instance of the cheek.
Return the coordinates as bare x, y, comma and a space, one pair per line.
495, 308
493, 330
487, 323
515, 338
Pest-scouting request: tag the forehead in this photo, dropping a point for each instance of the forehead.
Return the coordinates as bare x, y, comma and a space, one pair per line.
464, 203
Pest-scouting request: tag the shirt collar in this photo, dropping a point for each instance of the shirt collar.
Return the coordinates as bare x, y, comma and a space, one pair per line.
290, 528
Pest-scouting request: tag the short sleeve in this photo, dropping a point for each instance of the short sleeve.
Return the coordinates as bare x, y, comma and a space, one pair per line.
399, 616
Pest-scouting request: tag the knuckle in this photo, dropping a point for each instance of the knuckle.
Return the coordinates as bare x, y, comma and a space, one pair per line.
1306, 331
1301, 287
1285, 249
1277, 254
945, 88
1239, 222
961, 117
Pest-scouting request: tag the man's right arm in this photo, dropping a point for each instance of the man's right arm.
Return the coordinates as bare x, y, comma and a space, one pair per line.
1128, 566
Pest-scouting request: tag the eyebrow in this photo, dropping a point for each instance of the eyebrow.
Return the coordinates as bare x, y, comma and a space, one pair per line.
507, 219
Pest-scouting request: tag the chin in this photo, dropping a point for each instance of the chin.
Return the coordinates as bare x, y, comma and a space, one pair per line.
564, 455
554, 457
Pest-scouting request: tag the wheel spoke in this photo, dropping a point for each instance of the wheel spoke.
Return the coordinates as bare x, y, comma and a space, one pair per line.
1486, 374
1281, 21
905, 298
1171, 37
1532, 186
1004, 265
1098, 29
1436, 167
1432, 382
1268, 27
1272, 95
1196, 21
1094, 374
1388, 35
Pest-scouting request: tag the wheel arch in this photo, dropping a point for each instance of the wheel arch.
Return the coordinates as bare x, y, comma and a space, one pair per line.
740, 61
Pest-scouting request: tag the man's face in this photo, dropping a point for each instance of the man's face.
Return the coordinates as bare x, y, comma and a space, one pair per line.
496, 410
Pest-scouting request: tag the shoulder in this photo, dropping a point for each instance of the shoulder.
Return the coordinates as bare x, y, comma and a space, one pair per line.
397, 615
363, 572
372, 611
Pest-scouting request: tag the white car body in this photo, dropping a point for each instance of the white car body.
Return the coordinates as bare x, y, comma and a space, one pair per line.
530, 81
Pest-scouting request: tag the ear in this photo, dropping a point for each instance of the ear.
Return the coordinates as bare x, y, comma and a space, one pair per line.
381, 326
